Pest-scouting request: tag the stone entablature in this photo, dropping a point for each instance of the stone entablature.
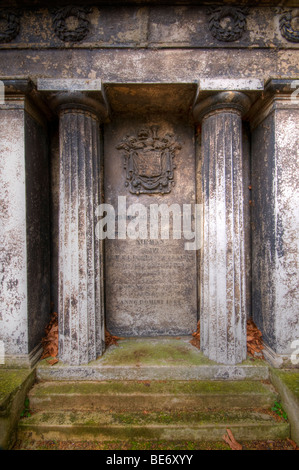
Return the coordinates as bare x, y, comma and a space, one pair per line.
84, 76
152, 26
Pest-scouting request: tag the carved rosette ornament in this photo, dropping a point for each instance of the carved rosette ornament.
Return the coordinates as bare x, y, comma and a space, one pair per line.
148, 160
286, 28
233, 29
67, 33
11, 28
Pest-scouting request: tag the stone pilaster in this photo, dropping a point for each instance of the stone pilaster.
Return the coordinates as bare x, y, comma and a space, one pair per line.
24, 225
275, 220
80, 281
222, 266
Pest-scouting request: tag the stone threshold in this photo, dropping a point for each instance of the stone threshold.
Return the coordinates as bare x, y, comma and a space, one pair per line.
159, 358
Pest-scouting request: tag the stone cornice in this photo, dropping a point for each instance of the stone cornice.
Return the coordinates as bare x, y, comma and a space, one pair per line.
21, 93
278, 94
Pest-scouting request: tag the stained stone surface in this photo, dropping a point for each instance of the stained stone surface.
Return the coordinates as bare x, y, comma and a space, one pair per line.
150, 284
81, 333
222, 266
150, 26
275, 245
13, 316
24, 234
38, 230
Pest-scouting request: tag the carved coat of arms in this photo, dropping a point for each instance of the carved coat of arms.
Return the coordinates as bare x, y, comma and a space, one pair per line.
148, 161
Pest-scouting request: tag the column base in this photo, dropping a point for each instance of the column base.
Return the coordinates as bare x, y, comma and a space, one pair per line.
278, 361
22, 361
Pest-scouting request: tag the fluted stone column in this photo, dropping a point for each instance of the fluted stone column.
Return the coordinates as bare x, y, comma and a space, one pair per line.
81, 331
81, 107
222, 272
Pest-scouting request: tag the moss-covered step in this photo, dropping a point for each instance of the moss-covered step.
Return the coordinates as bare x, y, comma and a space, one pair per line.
154, 359
101, 426
151, 395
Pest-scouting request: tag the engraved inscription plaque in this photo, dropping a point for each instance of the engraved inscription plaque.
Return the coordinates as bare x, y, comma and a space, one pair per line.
150, 283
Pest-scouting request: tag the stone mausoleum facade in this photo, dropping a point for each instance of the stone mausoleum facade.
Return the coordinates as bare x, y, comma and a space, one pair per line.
184, 103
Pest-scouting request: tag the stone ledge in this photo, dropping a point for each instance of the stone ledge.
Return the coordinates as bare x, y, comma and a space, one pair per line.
69, 84
230, 84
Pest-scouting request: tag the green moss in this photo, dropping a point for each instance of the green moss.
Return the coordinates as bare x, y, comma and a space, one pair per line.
154, 351
151, 387
112, 422
121, 445
183, 418
290, 379
11, 381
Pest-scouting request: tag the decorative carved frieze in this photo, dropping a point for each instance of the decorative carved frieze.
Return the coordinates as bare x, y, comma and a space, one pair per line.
68, 32
72, 25
227, 23
286, 25
148, 160
11, 26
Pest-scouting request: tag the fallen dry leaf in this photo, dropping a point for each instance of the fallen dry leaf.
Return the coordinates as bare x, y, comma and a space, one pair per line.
293, 444
53, 361
50, 340
196, 337
110, 339
254, 340
231, 441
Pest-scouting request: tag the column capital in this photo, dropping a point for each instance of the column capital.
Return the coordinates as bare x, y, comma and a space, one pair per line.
225, 94
224, 101
75, 94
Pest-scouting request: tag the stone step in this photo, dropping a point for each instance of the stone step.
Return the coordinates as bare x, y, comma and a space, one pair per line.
103, 426
151, 395
153, 359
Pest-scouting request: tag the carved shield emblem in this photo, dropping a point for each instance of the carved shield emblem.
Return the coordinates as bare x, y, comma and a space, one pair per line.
148, 161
